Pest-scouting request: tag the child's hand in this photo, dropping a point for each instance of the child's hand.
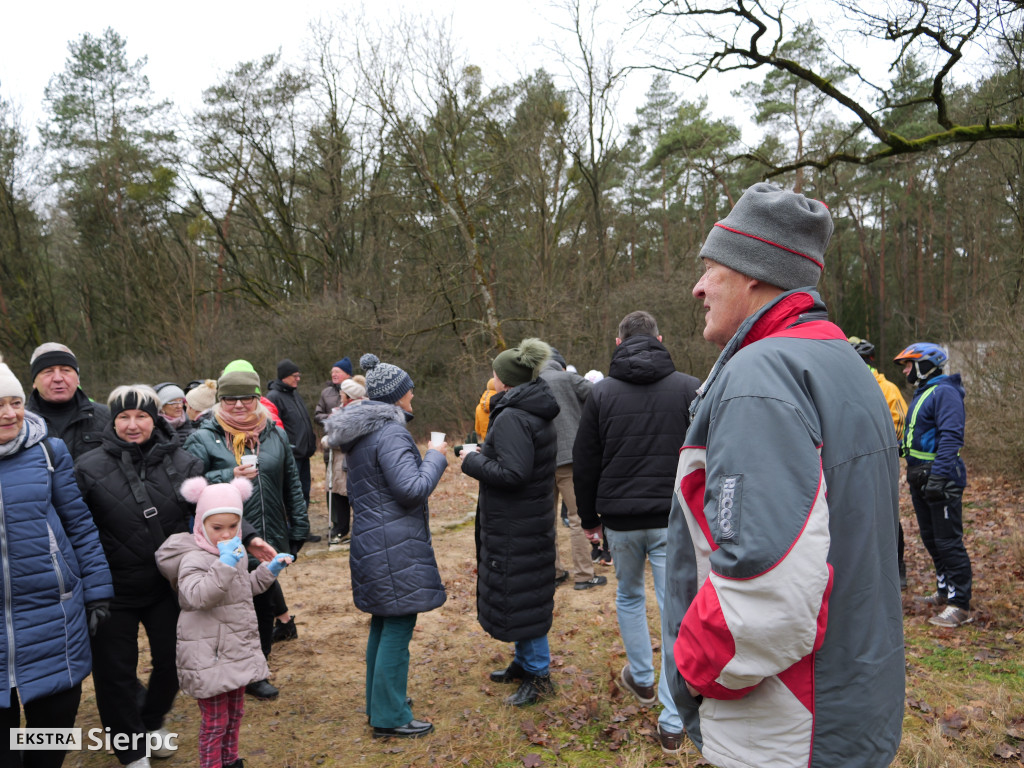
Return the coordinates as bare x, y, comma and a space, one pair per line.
279, 563
231, 551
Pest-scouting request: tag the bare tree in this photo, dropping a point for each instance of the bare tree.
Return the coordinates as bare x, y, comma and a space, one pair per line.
703, 37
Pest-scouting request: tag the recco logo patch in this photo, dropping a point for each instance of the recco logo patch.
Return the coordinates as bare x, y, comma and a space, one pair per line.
728, 507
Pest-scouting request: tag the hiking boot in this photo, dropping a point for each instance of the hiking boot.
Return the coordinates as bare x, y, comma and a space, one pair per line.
262, 690
284, 630
530, 690
595, 581
671, 742
513, 673
644, 693
239, 763
935, 598
952, 617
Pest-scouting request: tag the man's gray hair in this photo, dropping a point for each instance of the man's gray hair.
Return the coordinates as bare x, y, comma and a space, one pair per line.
638, 323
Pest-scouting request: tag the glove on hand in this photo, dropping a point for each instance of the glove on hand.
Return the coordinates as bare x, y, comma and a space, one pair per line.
279, 563
295, 545
231, 551
938, 488
96, 612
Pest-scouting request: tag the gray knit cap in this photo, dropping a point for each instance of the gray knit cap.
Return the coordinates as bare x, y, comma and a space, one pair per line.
385, 382
774, 235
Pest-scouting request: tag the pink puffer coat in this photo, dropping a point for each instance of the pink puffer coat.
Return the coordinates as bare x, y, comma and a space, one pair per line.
218, 645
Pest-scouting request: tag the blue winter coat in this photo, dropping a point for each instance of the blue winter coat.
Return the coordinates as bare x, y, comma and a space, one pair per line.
394, 572
51, 565
935, 427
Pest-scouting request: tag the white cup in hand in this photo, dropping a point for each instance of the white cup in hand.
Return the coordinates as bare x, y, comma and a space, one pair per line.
249, 460
437, 437
469, 448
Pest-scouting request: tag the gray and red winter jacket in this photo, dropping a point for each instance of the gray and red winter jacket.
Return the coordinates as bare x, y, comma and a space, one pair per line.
781, 575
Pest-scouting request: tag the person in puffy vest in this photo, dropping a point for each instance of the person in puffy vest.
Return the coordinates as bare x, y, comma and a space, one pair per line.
936, 474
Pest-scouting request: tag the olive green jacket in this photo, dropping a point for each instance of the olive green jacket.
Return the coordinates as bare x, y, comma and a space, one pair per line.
276, 508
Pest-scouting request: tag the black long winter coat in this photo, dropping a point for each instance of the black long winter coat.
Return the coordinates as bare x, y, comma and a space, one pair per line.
125, 534
84, 432
627, 446
295, 417
515, 529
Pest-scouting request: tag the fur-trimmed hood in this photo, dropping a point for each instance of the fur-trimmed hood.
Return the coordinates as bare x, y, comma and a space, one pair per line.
358, 419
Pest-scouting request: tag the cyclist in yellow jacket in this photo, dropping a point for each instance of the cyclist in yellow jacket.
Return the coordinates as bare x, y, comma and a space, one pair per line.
898, 409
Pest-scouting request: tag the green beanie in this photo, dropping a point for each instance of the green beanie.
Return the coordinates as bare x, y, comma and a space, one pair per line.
521, 364
239, 379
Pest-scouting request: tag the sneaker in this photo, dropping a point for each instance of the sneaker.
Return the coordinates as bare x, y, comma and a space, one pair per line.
142, 762
935, 598
596, 581
284, 631
239, 763
161, 751
605, 558
644, 693
312, 538
671, 742
951, 617
414, 729
335, 539
561, 577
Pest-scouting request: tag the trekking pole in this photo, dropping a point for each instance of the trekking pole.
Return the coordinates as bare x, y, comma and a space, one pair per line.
330, 494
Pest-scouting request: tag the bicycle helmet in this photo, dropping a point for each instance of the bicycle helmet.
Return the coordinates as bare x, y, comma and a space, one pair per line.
863, 347
926, 358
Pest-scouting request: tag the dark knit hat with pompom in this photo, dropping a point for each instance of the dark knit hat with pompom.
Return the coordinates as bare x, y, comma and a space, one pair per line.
523, 363
385, 382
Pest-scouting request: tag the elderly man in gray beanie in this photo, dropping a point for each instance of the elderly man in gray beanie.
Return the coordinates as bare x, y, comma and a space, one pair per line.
57, 397
783, 613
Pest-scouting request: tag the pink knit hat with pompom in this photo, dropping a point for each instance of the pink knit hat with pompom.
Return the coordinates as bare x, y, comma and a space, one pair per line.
216, 498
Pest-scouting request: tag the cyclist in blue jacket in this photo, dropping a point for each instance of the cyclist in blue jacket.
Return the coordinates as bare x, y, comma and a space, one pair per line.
932, 440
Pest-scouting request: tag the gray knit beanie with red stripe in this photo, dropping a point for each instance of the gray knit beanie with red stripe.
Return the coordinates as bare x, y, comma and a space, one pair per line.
773, 235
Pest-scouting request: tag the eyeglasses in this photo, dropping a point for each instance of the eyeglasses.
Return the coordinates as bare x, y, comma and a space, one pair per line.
174, 404
243, 399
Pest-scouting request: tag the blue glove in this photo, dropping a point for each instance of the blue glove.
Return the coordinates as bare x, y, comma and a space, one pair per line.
231, 551
279, 563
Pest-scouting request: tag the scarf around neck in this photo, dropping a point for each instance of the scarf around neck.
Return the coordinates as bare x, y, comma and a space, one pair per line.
244, 432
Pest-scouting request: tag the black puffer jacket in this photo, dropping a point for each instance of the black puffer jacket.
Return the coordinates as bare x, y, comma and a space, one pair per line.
125, 534
627, 447
515, 529
295, 417
84, 431
394, 572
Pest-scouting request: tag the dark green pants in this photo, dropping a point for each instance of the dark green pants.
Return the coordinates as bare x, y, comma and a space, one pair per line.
387, 670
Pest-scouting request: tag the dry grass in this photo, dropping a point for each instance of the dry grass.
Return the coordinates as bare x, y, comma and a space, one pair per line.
972, 677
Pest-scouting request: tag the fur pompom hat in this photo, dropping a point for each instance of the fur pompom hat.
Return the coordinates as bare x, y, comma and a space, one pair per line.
522, 364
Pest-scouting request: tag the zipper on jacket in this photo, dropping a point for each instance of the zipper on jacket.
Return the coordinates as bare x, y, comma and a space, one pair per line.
60, 576
8, 618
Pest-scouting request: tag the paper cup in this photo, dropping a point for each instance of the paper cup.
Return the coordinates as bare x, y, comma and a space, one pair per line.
249, 460
468, 447
437, 437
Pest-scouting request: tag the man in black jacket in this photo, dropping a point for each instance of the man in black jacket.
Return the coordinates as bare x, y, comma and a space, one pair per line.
283, 392
57, 397
624, 464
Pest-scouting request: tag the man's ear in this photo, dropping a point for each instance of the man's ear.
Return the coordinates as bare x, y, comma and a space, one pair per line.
659, 337
617, 341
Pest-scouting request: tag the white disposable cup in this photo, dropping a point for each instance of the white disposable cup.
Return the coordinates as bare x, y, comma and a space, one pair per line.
437, 437
249, 460
469, 447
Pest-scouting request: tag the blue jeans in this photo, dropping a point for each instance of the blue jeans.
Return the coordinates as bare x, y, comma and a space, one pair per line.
534, 655
630, 551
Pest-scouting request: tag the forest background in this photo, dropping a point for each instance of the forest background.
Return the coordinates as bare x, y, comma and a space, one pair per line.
382, 195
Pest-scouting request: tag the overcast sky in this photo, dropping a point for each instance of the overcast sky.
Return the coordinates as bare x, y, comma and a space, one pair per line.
191, 43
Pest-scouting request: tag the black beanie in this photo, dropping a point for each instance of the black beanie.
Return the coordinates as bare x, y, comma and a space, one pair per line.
286, 368
130, 400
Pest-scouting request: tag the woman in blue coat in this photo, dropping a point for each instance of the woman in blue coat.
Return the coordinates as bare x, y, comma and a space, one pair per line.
394, 573
54, 583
